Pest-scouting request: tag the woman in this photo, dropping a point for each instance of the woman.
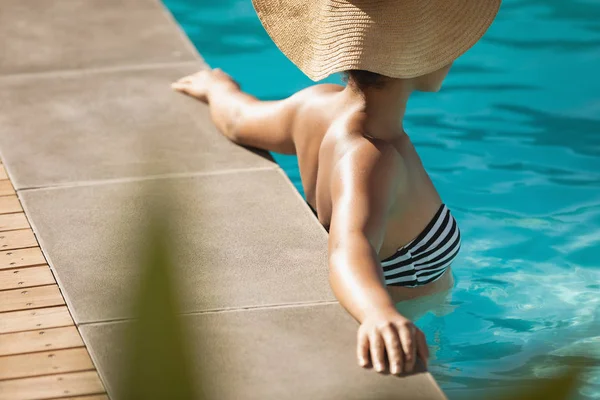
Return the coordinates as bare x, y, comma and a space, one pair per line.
391, 238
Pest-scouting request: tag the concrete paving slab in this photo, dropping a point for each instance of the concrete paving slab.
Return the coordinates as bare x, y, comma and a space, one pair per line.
244, 239
72, 34
112, 124
305, 352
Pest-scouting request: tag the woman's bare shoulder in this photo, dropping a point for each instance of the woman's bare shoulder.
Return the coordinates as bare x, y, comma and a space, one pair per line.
371, 162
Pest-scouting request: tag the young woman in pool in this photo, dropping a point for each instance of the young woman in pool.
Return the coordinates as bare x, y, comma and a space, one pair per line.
391, 237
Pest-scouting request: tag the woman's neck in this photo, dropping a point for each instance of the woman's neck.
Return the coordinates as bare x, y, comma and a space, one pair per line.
382, 108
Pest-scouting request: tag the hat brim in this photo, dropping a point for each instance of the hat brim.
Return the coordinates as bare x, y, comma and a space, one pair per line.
395, 38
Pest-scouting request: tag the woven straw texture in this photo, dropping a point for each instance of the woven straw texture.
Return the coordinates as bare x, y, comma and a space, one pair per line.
395, 38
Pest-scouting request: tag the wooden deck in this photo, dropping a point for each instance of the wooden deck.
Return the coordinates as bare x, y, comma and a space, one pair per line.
42, 355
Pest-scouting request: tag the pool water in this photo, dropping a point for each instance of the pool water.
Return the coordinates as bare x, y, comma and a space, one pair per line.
512, 143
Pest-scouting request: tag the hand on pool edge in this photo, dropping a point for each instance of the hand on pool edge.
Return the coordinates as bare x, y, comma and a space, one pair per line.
390, 343
200, 84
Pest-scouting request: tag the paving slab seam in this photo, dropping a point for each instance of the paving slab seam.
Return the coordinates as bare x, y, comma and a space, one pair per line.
178, 175
99, 70
222, 310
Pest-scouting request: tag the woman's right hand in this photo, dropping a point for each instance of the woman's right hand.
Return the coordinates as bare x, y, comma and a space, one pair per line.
390, 343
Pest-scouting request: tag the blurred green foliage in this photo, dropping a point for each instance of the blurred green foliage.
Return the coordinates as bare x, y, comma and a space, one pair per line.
157, 364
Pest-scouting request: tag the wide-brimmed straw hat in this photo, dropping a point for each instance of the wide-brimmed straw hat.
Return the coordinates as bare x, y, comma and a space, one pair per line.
395, 38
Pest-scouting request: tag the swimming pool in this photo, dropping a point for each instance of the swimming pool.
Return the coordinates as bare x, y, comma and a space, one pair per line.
512, 142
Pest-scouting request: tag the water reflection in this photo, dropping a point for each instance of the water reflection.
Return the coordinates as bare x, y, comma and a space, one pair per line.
573, 11
551, 129
563, 46
463, 68
488, 88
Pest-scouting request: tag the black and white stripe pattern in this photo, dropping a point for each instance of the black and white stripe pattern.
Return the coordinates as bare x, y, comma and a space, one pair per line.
427, 257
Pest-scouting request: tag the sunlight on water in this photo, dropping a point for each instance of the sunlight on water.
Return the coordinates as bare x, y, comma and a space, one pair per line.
513, 144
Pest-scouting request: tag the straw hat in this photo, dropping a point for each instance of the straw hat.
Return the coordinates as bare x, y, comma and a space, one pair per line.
395, 38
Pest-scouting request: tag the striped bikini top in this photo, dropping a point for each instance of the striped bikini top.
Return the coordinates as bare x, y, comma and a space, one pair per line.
426, 258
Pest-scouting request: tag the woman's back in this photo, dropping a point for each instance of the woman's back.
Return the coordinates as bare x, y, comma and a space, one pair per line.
328, 130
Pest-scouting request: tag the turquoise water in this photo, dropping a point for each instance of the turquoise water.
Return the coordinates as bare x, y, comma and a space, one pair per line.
512, 142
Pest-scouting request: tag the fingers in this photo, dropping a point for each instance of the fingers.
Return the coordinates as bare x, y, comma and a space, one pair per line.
393, 349
422, 348
391, 342
179, 86
377, 349
407, 333
362, 350
184, 84
186, 79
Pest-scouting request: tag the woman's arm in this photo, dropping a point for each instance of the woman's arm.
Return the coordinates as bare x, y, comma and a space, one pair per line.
363, 191
242, 118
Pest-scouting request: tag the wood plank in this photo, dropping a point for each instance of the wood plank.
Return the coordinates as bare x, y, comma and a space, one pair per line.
45, 363
9, 204
44, 387
3, 174
26, 277
6, 188
25, 299
28, 320
9, 222
17, 239
41, 340
21, 258
94, 397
